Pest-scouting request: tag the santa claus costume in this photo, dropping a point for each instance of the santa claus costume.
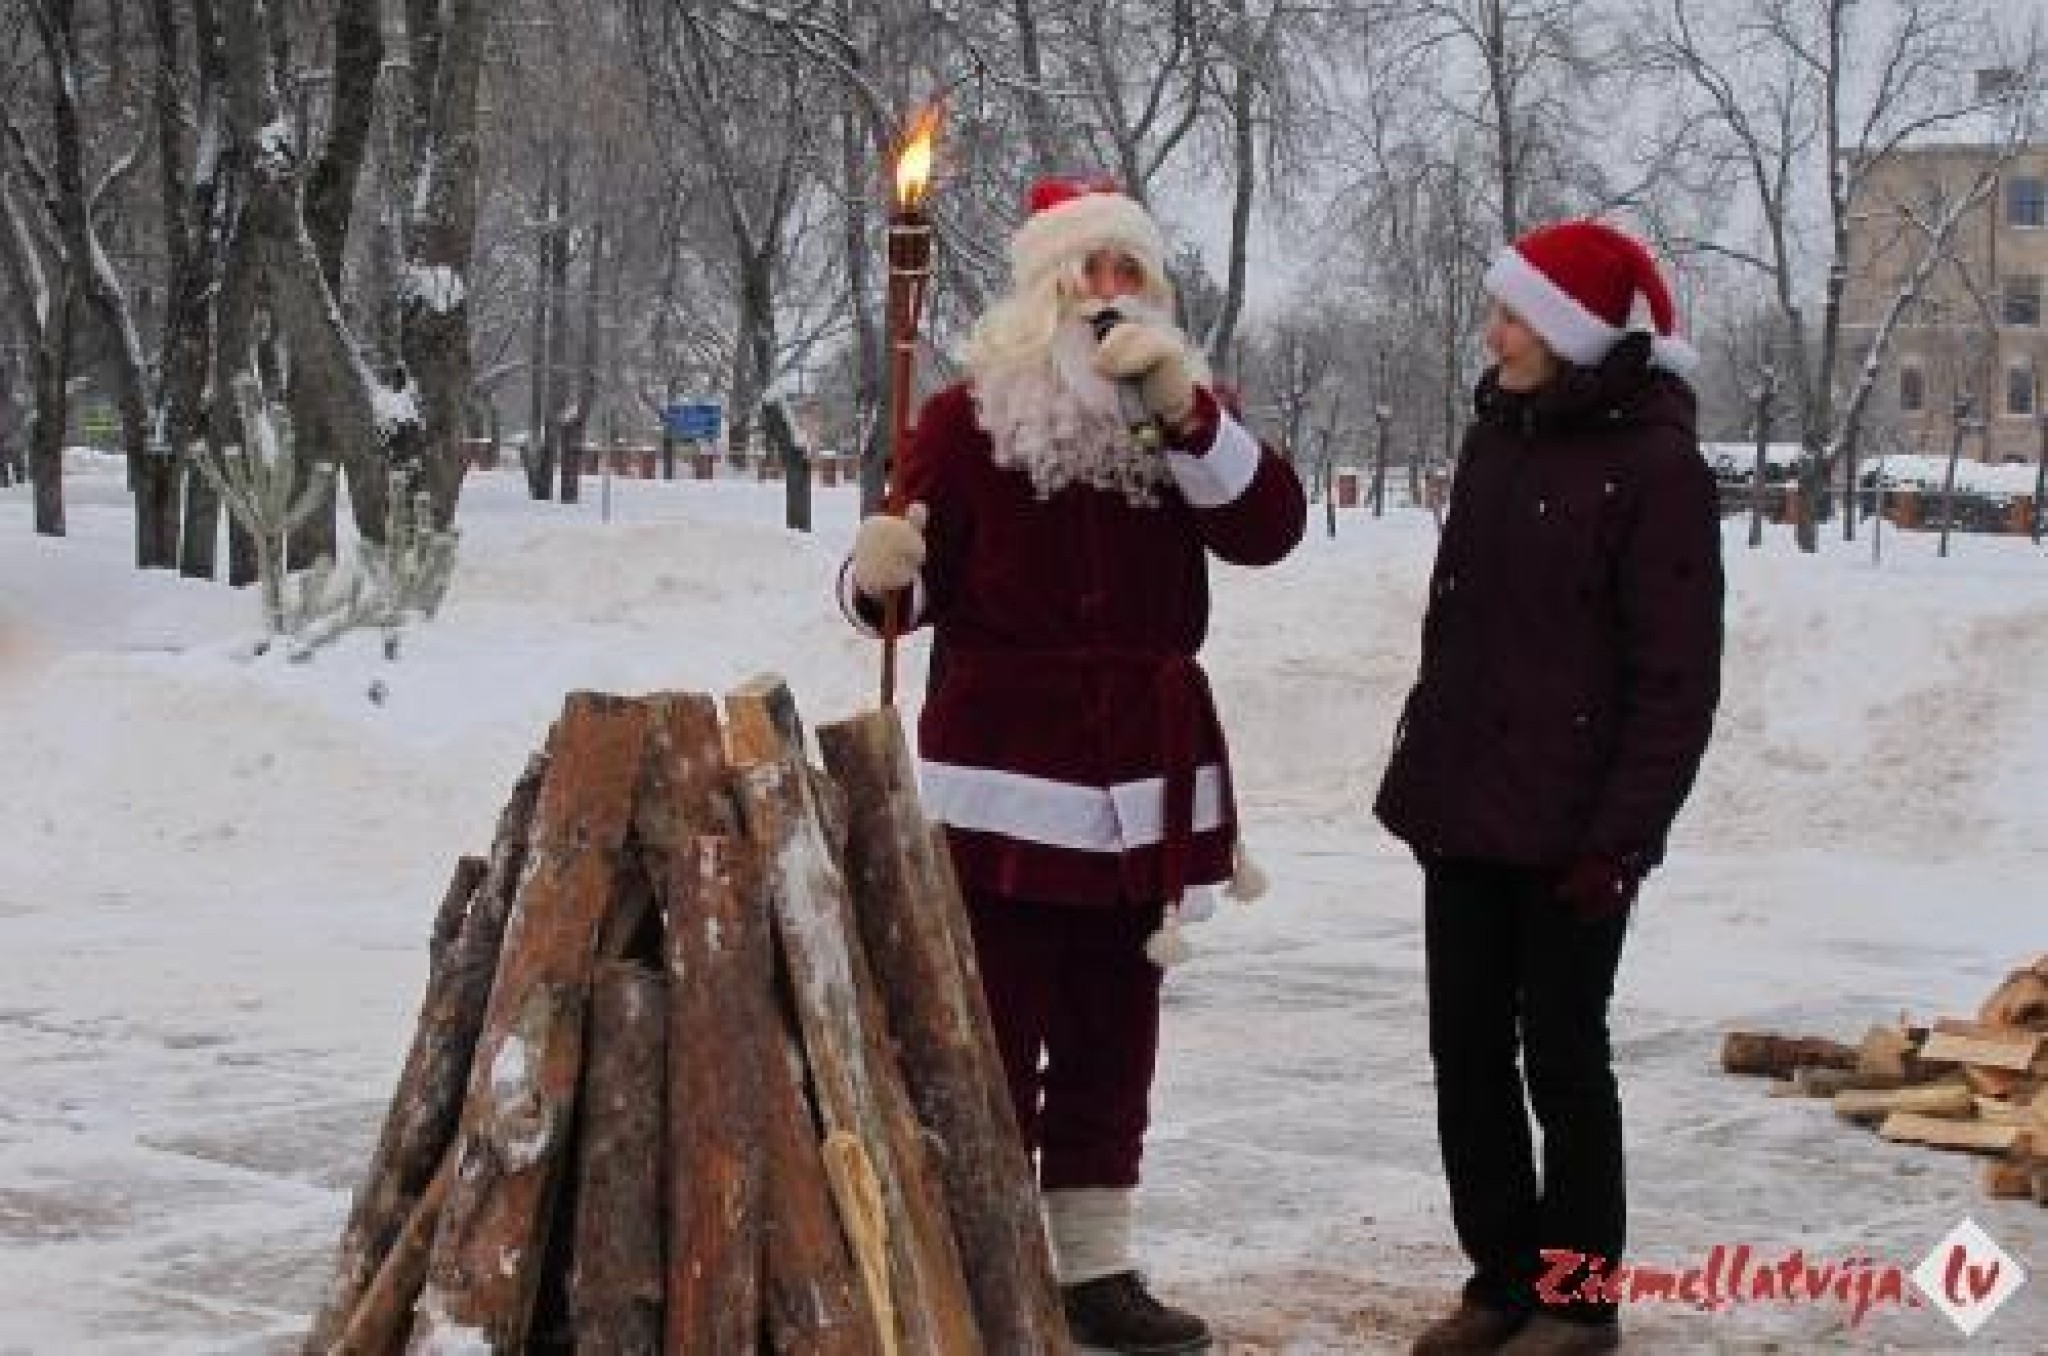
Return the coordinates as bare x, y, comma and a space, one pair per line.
1069, 741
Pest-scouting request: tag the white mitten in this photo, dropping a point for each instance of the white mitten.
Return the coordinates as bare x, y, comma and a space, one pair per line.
1155, 358
888, 551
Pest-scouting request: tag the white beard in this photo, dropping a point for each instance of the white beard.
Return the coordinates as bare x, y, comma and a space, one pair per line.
1060, 422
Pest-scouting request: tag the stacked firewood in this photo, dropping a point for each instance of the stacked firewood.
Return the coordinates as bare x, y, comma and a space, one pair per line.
703, 1066
1979, 1085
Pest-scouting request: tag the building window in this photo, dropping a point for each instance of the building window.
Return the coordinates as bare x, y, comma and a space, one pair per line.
2023, 301
2026, 201
1912, 390
2019, 390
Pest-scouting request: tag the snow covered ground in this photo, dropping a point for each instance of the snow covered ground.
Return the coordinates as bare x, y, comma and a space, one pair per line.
217, 874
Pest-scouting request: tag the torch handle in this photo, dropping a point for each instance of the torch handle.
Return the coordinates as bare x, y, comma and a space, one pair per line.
892, 624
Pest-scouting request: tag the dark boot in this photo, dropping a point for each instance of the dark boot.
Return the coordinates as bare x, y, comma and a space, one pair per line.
1471, 1330
1117, 1313
1548, 1336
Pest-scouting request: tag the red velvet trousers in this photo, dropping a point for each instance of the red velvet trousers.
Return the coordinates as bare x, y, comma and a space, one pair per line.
1075, 1002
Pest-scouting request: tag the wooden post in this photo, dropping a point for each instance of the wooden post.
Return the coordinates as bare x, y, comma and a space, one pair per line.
721, 976
427, 1103
486, 1264
383, 1314
908, 907
811, 1304
861, 1103
615, 1286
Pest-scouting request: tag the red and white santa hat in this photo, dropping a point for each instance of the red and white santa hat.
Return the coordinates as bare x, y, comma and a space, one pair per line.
1576, 283
1071, 219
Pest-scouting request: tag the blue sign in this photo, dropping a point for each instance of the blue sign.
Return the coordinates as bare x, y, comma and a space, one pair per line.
695, 422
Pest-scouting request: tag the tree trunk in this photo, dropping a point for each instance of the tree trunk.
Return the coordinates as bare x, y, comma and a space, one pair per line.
435, 317
870, 447
913, 1279
576, 421
421, 1121
52, 410
485, 1270
908, 906
753, 359
615, 1287
721, 974
538, 455
796, 468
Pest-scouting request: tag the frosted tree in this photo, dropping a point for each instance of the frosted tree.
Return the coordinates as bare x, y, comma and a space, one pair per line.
258, 480
1799, 107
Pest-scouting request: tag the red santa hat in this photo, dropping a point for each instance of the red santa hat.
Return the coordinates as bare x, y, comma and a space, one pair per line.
1576, 282
1071, 219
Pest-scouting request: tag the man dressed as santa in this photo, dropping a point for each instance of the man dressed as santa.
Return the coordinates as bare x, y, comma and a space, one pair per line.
1053, 522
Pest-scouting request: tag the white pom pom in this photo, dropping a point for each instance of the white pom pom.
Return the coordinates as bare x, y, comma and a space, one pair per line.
1247, 881
1167, 947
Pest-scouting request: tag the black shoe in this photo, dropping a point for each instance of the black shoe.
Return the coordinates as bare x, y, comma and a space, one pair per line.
1117, 1313
1472, 1329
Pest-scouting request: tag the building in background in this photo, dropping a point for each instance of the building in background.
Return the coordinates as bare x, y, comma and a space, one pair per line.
1979, 329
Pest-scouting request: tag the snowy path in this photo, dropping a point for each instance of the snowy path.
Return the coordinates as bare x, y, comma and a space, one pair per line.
216, 878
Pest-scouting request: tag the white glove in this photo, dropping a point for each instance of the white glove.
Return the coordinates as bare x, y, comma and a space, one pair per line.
888, 551
1157, 360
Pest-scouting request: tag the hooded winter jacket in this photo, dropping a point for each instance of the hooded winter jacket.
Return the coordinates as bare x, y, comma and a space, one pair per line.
1571, 648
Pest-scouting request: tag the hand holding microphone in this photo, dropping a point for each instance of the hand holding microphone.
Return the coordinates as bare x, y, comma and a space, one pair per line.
1150, 367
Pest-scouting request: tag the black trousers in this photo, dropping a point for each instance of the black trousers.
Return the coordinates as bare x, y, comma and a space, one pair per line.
1518, 992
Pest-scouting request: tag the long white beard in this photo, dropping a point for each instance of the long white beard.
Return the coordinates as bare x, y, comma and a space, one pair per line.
1059, 421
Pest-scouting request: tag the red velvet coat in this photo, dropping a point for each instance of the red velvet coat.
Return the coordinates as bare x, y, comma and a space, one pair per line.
1068, 740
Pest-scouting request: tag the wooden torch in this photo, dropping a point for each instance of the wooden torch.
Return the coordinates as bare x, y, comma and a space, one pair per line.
910, 270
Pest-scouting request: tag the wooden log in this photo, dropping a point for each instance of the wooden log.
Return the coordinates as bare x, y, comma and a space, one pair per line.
811, 1304
383, 1314
2000, 1083
1959, 1042
686, 786
427, 1103
1952, 1100
485, 1269
615, 1286
860, 1098
2007, 1179
1940, 1132
1886, 1059
2022, 1000
907, 904
1814, 1080
721, 980
1769, 1055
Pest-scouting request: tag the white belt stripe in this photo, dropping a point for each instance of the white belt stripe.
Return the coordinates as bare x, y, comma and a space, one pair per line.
1063, 814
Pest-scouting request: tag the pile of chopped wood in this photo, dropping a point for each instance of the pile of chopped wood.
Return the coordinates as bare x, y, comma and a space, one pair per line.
702, 1066
1978, 1085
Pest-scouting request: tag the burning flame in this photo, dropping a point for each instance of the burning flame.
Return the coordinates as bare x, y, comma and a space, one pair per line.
914, 160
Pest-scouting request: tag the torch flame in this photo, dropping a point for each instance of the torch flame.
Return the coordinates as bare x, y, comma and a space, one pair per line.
914, 161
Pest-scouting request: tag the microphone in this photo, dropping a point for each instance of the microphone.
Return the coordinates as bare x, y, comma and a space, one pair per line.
1138, 420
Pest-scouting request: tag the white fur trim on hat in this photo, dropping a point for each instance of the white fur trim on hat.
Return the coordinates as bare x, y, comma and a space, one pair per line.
1573, 332
1072, 230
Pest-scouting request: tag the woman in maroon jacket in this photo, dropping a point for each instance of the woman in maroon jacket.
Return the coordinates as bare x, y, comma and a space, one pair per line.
1571, 659
1068, 740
